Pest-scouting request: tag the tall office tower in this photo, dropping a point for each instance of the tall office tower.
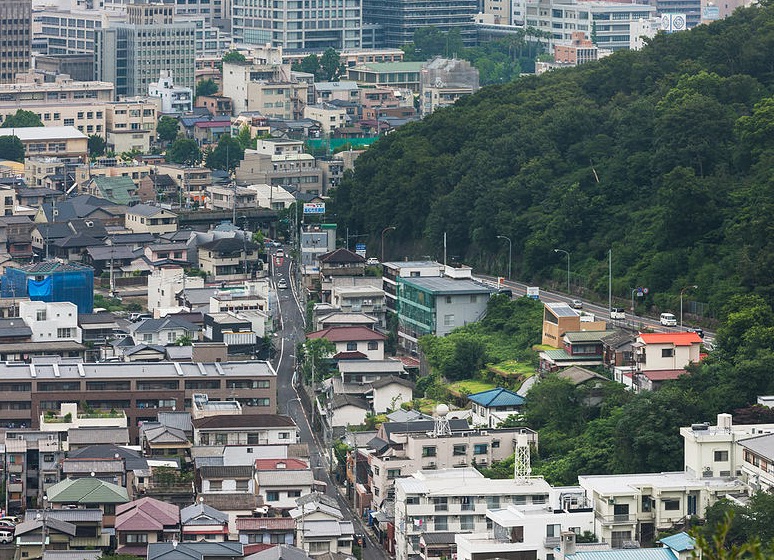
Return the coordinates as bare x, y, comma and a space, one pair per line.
132, 55
400, 18
298, 24
15, 38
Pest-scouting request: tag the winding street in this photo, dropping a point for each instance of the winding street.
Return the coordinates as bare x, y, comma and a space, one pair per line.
291, 331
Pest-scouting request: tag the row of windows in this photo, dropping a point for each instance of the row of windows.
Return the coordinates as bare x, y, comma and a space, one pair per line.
62, 386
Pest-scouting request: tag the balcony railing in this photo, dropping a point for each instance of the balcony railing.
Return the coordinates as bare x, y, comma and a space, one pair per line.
621, 519
552, 542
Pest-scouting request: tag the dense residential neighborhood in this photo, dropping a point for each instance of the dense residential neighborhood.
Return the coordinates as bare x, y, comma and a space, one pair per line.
348, 279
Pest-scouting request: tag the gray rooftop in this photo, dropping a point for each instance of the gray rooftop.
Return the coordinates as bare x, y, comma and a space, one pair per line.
284, 478
760, 445
441, 285
370, 366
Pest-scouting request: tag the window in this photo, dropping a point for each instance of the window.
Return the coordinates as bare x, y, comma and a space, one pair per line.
139, 538
294, 493
473, 298
480, 448
448, 299
216, 485
493, 502
319, 547
721, 456
441, 523
667, 352
460, 449
242, 485
495, 444
376, 470
272, 496
412, 500
428, 451
467, 503
40, 315
441, 504
284, 435
672, 505
448, 320
64, 333
373, 345
351, 346
393, 473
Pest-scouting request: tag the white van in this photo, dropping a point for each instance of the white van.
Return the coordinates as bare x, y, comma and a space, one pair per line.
668, 320
618, 313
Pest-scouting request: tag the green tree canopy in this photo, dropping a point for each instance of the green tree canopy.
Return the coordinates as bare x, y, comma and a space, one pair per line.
234, 56
226, 155
11, 148
206, 87
97, 145
22, 119
184, 151
167, 128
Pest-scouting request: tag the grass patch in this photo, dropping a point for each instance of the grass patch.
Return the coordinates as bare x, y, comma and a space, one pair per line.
512, 368
542, 347
469, 386
423, 405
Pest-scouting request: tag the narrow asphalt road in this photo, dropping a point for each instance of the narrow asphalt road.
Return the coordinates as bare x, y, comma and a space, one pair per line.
290, 332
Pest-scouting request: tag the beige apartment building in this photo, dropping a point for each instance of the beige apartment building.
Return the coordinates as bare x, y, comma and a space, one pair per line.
131, 124
415, 451
60, 141
329, 116
295, 171
136, 172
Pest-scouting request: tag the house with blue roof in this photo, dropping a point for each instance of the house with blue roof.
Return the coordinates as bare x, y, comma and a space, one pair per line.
491, 408
676, 547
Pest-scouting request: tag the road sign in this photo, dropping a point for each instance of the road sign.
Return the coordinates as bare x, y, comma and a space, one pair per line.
360, 249
314, 208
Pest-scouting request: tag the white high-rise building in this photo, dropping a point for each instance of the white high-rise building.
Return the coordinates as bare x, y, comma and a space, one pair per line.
298, 24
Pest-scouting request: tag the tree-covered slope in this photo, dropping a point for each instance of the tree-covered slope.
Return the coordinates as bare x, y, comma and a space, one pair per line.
664, 156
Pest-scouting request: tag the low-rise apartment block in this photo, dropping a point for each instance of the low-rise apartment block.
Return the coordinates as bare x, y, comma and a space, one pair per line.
140, 389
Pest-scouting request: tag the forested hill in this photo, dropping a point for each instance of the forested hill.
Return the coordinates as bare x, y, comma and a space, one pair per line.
664, 155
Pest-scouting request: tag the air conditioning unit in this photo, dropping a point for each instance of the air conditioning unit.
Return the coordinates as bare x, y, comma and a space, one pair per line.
484, 433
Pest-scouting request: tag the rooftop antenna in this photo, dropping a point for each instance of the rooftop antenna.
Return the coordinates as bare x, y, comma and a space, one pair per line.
442, 427
521, 464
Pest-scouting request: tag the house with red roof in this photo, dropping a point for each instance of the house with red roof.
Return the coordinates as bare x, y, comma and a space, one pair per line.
661, 357
145, 521
353, 343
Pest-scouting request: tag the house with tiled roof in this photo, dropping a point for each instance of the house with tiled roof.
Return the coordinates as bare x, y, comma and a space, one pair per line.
118, 190
89, 532
159, 440
226, 478
279, 487
341, 262
148, 218
758, 462
350, 342
163, 331
660, 357
89, 493
145, 521
267, 530
320, 525
491, 408
201, 550
202, 522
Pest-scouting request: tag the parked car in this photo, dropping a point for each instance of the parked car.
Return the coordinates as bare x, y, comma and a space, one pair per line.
282, 284
12, 518
668, 320
372, 261
618, 313
698, 331
280, 253
6, 536
577, 304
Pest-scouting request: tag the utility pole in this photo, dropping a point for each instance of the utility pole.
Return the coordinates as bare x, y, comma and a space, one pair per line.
610, 280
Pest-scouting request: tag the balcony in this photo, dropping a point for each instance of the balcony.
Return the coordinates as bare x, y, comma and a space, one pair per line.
621, 519
552, 542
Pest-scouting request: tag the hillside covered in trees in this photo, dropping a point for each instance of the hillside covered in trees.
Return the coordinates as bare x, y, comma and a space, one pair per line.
662, 155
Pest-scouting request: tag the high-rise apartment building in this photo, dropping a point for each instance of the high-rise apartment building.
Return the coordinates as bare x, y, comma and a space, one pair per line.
298, 24
15, 38
132, 55
400, 18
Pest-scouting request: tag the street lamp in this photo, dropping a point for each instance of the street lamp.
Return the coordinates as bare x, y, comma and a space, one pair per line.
510, 252
681, 303
385, 230
568, 266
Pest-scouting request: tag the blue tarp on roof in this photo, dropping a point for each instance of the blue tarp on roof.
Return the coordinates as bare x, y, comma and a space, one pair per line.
497, 397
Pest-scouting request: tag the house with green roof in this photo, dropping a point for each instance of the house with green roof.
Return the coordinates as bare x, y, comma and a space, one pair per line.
88, 492
118, 190
579, 348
